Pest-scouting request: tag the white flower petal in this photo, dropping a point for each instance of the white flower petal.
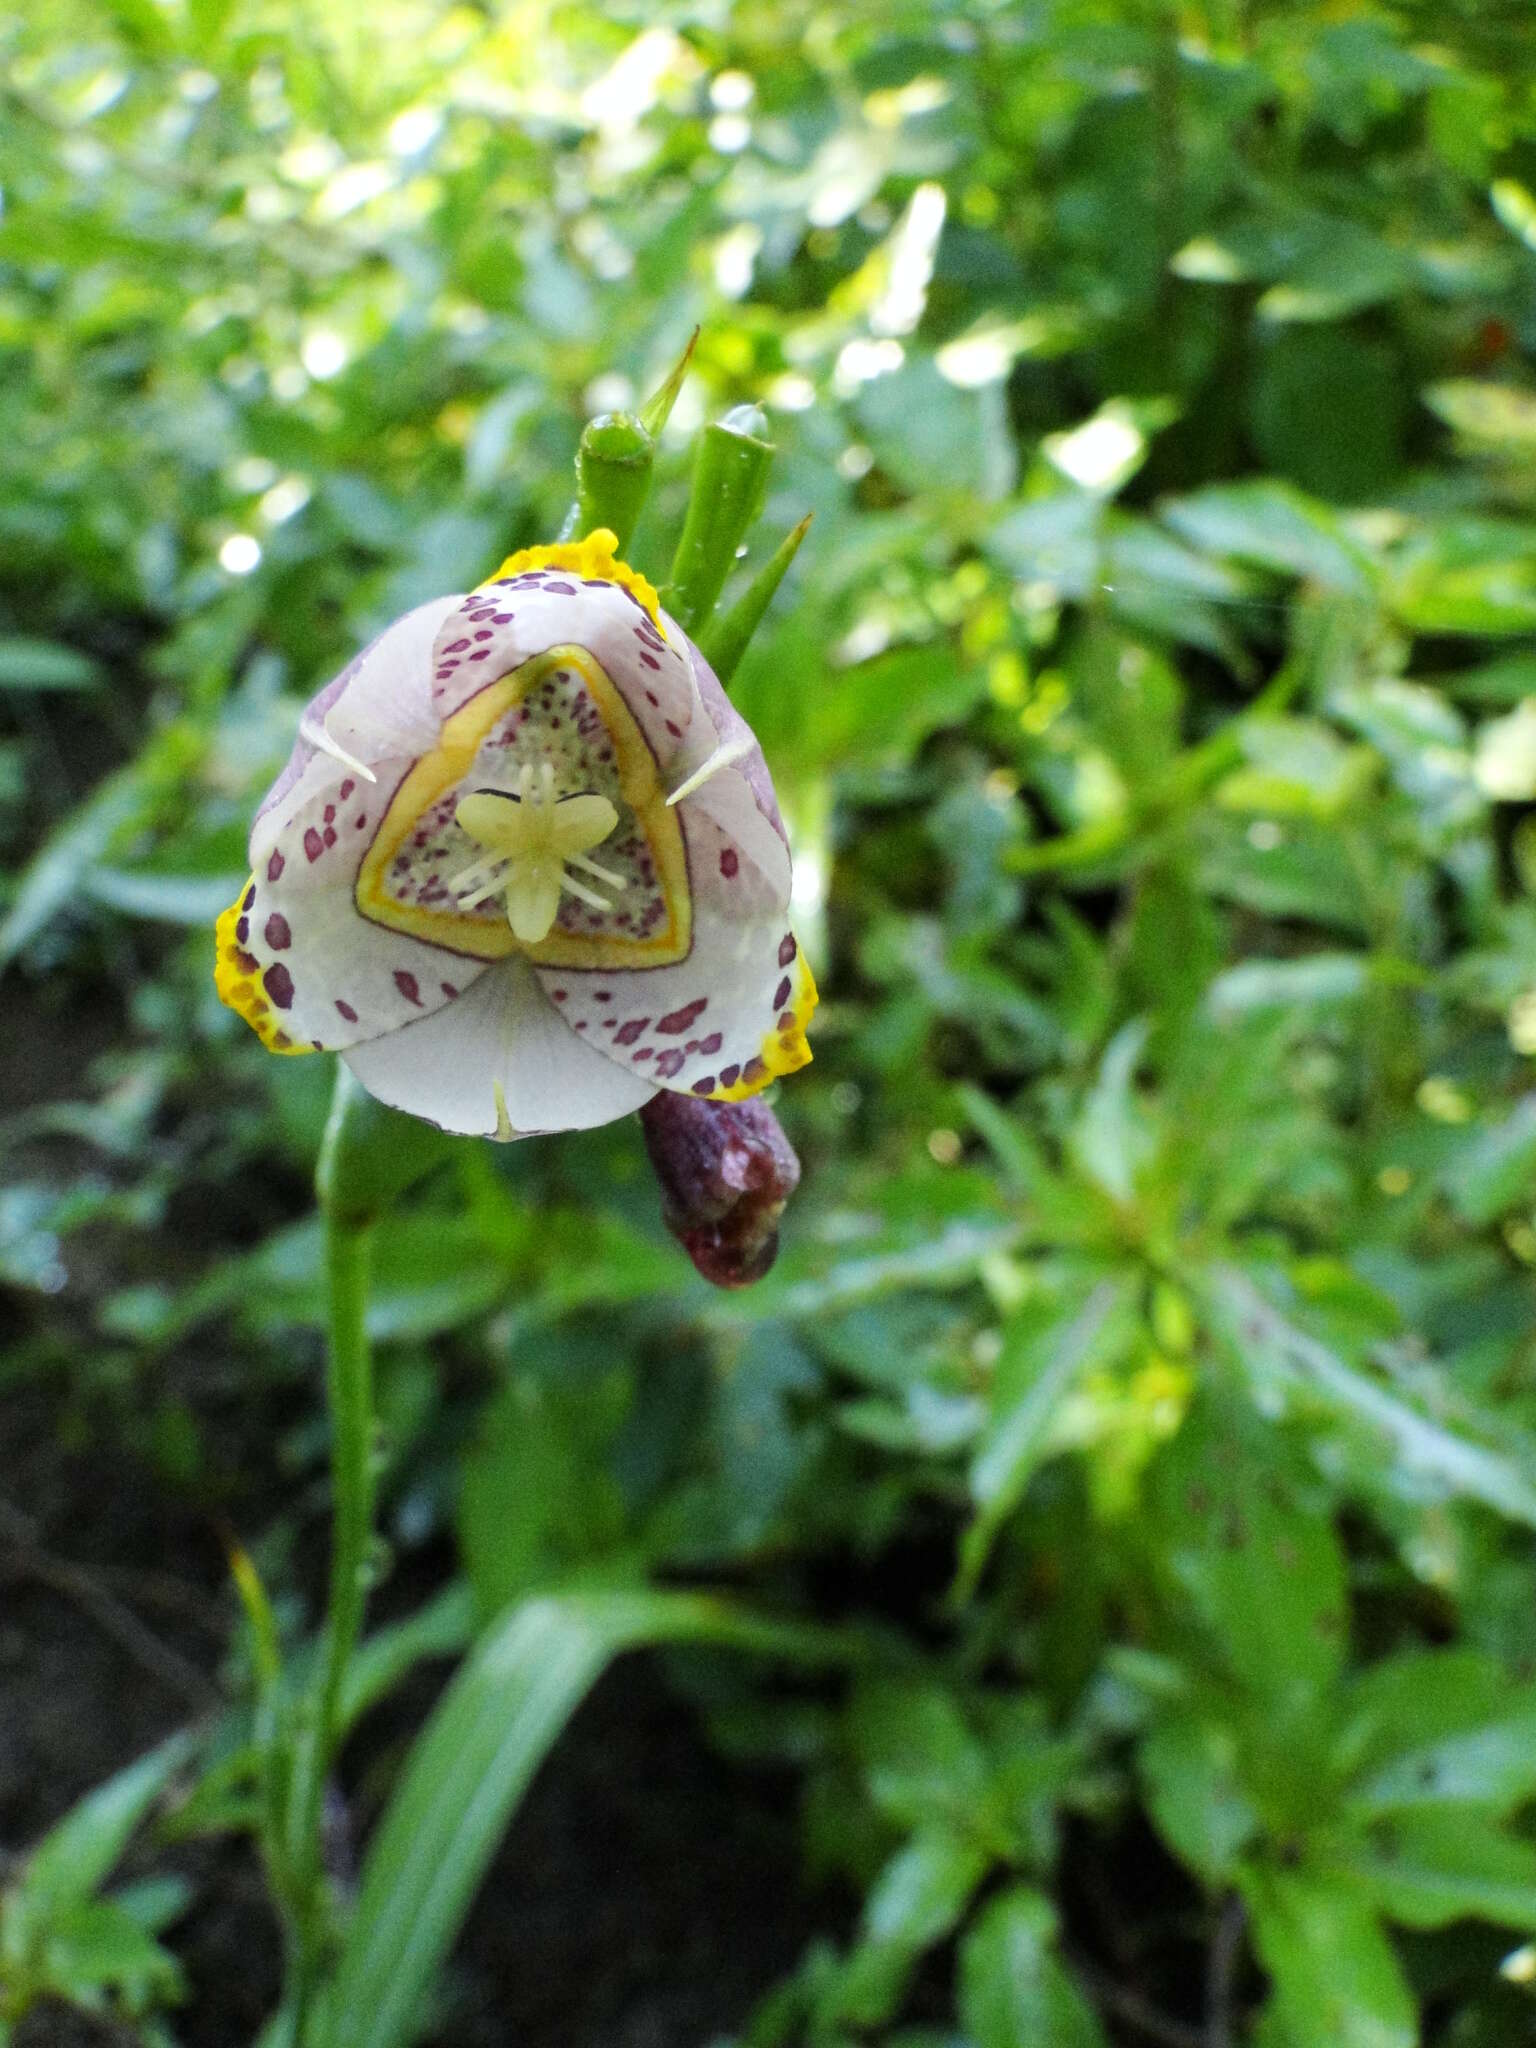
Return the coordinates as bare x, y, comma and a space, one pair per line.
731, 1015
378, 709
719, 727
299, 963
500, 1046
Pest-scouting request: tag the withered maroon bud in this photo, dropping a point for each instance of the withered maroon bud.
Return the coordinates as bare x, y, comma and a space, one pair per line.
726, 1170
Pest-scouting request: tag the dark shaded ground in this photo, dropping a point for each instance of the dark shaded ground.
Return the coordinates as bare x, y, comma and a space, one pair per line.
646, 1895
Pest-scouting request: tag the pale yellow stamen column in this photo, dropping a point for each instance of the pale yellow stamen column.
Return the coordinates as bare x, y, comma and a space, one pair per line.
530, 840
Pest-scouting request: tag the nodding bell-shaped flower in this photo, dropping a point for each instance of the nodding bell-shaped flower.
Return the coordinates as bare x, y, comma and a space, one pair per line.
525, 866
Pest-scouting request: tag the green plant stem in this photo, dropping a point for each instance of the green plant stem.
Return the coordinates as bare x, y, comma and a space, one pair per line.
349, 1388
349, 1391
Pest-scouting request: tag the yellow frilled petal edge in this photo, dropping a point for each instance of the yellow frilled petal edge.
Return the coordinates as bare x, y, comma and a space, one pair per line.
594, 557
235, 978
785, 1049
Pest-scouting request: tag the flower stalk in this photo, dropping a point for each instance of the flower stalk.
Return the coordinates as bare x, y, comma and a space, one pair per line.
355, 1179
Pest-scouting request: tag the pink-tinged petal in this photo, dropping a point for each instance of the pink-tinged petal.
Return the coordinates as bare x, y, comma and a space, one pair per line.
723, 818
309, 974
387, 710
379, 709
499, 1062
505, 623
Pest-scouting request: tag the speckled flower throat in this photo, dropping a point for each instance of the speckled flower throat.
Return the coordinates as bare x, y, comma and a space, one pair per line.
525, 837
489, 844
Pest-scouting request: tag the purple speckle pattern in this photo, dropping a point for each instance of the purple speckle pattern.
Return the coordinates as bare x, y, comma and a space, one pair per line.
315, 958
496, 629
677, 1021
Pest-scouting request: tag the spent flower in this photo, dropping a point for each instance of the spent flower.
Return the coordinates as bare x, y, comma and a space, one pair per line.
726, 1171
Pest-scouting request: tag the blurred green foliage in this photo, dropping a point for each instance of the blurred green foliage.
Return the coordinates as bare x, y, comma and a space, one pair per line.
1150, 1365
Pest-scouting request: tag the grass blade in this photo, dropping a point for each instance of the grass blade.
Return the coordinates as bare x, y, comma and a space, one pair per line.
470, 1766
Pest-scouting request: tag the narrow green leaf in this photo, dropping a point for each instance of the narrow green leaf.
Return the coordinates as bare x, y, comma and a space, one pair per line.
725, 641
1247, 1557
470, 1766
1038, 1365
1275, 526
1336, 1977
1192, 1769
124, 801
917, 1900
94, 1946
950, 1257
1440, 1866
1492, 1767
28, 664
657, 409
165, 899
78, 1852
1112, 1141
1421, 1443
1013, 1988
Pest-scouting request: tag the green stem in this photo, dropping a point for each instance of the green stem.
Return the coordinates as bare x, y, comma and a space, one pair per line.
349, 1388
349, 1391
